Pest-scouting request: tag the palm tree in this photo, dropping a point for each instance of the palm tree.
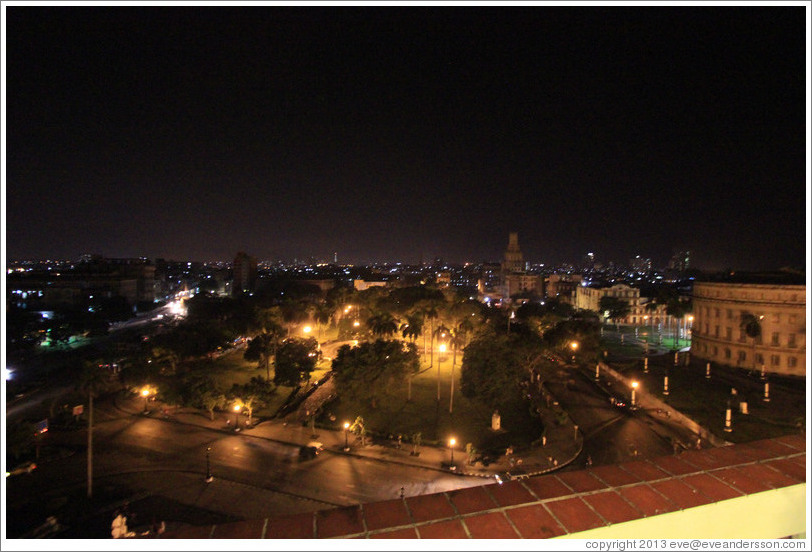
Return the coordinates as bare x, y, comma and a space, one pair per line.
262, 348
677, 309
459, 338
95, 378
322, 314
651, 307
383, 324
751, 326
411, 330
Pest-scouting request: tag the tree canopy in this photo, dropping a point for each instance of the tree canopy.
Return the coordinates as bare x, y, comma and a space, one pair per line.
372, 371
494, 366
296, 358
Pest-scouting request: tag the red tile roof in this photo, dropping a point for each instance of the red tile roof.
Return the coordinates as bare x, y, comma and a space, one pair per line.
552, 505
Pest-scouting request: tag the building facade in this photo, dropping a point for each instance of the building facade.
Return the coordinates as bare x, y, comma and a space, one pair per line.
589, 298
245, 274
781, 311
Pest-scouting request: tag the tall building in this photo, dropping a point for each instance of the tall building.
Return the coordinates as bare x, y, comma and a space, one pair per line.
514, 279
514, 260
245, 273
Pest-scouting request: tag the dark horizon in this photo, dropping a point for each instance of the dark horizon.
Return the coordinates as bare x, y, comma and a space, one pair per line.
395, 134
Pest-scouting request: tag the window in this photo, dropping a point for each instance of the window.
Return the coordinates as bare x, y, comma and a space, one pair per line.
792, 362
715, 350
775, 360
793, 318
716, 313
727, 353
775, 338
777, 318
742, 336
742, 356
716, 331
730, 314
791, 340
759, 358
729, 333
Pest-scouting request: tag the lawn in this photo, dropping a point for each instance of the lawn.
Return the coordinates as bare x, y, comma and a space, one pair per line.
469, 422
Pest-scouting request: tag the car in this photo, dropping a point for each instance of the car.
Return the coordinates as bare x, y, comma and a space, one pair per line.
27, 467
617, 402
310, 450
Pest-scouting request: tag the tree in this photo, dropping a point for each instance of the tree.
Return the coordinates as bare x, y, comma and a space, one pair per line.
677, 308
459, 339
417, 439
293, 313
213, 399
492, 370
257, 393
322, 314
295, 360
383, 324
411, 329
166, 359
750, 324
262, 348
94, 379
651, 307
358, 428
617, 308
372, 371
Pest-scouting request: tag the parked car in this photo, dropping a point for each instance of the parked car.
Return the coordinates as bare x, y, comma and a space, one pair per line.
311, 450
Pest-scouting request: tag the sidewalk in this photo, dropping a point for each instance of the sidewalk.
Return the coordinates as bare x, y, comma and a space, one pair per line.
563, 442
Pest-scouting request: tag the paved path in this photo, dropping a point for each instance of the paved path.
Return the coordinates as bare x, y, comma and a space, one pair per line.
563, 442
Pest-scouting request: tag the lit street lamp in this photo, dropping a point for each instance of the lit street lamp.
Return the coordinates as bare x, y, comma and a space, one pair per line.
451, 443
237, 409
574, 347
145, 394
634, 387
346, 436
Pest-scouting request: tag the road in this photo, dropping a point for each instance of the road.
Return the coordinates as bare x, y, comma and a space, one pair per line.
148, 453
611, 434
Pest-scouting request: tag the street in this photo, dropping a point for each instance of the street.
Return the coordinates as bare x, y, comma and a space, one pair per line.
611, 434
163, 457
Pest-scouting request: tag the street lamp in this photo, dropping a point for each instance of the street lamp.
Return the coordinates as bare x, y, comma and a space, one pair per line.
346, 436
634, 387
145, 394
209, 477
451, 443
237, 408
307, 329
574, 347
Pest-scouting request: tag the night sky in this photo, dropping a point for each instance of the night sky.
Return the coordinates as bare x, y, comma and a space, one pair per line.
401, 134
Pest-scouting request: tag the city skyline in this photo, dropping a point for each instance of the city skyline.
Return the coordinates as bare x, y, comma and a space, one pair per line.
408, 134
